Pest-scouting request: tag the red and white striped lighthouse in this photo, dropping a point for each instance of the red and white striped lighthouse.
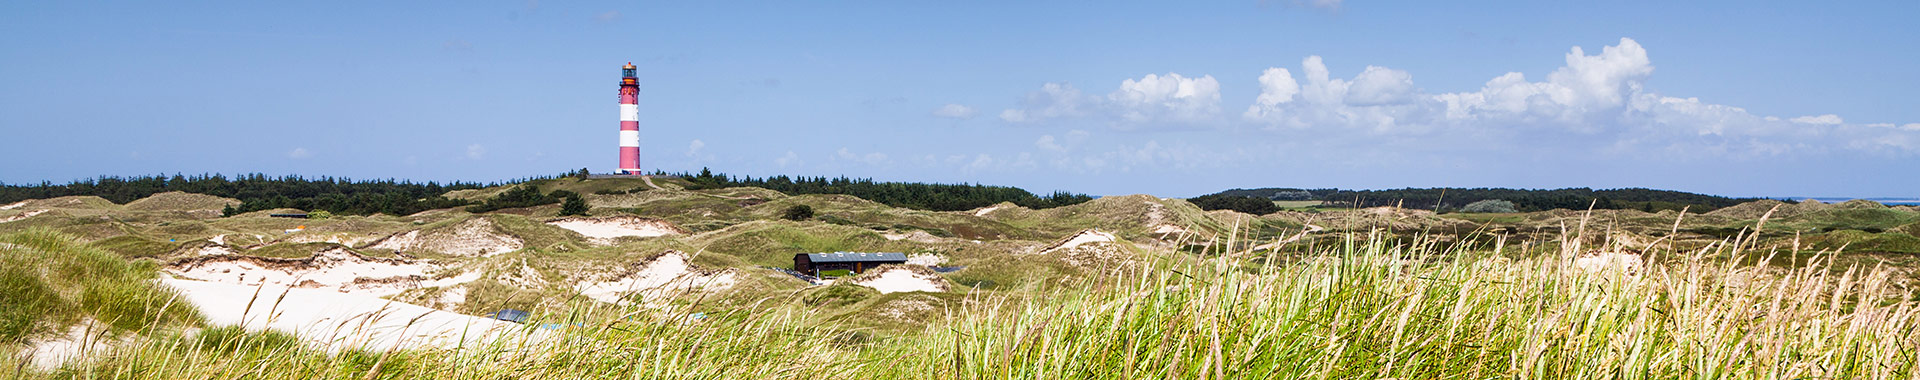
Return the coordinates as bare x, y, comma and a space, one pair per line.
629, 122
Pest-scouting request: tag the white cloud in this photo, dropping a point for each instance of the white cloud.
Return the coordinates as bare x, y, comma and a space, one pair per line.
1171, 96
1046, 142
608, 16
1053, 100
1380, 86
1322, 4
693, 148
476, 151
1597, 102
1152, 98
955, 111
1827, 119
1276, 86
869, 158
790, 159
299, 153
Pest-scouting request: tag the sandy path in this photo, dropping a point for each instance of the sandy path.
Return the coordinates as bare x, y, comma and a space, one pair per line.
336, 321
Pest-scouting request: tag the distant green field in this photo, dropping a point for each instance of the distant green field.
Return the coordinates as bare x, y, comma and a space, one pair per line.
1296, 204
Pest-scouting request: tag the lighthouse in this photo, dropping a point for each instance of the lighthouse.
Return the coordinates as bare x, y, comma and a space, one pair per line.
629, 122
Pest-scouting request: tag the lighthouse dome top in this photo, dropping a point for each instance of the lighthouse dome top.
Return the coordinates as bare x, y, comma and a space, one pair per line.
629, 66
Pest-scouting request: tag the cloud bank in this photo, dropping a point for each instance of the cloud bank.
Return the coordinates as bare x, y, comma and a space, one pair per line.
1597, 102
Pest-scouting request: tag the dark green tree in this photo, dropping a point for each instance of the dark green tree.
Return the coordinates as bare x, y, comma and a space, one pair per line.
797, 213
573, 206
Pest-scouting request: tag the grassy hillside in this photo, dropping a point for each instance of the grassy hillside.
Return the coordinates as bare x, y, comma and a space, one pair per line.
1365, 310
51, 280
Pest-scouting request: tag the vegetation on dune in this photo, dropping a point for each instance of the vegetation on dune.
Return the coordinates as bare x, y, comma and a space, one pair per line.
260, 192
1445, 199
1364, 308
1246, 204
51, 280
528, 195
1489, 206
922, 196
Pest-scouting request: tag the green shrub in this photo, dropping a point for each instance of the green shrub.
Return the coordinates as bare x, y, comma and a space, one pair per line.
573, 206
797, 213
1250, 205
1489, 206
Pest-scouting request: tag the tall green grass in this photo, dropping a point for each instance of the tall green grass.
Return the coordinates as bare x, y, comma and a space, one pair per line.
50, 280
1366, 308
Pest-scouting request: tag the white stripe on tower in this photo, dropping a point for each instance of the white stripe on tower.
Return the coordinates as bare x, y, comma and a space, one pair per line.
629, 112
630, 139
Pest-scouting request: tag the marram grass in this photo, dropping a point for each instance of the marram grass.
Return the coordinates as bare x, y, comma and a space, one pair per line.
1367, 309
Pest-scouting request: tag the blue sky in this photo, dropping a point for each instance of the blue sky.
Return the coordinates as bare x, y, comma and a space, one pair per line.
1752, 98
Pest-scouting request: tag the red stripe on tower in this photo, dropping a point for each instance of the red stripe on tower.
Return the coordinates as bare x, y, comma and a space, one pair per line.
629, 121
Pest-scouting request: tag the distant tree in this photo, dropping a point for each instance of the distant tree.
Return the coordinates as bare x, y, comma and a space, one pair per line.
1490, 205
573, 206
1247, 204
319, 214
798, 213
582, 174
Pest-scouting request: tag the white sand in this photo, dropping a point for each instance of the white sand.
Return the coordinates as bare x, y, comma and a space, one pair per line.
13, 205
216, 250
657, 280
985, 211
336, 321
80, 340
219, 239
604, 230
332, 269
1169, 229
926, 260
452, 297
28, 214
1085, 237
898, 279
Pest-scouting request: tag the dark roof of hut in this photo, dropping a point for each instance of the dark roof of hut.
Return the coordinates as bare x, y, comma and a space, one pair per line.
847, 257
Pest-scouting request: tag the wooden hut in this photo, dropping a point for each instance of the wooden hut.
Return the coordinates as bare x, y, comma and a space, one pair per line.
853, 262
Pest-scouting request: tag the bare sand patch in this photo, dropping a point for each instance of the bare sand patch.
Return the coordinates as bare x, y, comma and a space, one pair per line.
985, 211
1079, 239
656, 280
336, 269
13, 205
80, 340
926, 260
902, 278
337, 321
25, 215
604, 230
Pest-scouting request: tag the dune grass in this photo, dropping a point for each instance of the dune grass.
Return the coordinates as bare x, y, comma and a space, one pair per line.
49, 280
1367, 307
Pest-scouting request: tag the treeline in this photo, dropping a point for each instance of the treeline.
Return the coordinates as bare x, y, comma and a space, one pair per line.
261, 192
923, 196
1241, 203
1524, 200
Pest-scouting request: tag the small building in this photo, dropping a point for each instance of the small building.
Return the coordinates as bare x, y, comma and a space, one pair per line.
295, 215
852, 262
